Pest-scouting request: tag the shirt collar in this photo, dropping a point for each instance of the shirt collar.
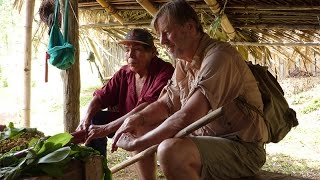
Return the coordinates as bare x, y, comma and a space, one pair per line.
198, 56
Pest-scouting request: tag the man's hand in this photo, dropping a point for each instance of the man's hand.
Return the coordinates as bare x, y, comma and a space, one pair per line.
97, 131
127, 142
84, 125
129, 126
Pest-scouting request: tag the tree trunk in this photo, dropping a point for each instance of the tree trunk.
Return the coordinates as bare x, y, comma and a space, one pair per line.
27, 62
71, 77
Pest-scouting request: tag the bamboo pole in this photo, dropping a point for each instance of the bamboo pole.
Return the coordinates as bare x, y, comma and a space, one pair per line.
111, 10
148, 6
225, 23
274, 7
275, 44
184, 132
111, 26
27, 61
275, 26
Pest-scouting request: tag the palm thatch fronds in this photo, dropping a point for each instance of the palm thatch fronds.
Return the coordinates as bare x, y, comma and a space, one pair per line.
266, 32
17, 4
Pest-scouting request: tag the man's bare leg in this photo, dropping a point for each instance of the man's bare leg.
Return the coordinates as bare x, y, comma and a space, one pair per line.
179, 159
146, 168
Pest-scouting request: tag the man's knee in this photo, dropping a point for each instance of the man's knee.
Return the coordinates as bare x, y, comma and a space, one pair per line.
171, 150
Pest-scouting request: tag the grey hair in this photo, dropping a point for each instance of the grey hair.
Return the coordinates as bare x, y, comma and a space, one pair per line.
177, 11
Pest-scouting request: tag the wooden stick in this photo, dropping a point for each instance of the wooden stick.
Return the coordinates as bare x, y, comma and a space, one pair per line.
184, 132
146, 4
275, 43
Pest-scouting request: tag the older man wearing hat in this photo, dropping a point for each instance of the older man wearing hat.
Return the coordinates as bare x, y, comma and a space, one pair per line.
131, 89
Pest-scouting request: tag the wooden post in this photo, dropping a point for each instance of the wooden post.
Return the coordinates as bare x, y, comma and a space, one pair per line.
315, 63
281, 68
225, 23
146, 4
27, 62
110, 10
71, 77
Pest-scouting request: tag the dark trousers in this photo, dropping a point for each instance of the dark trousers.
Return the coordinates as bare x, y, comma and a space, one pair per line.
102, 117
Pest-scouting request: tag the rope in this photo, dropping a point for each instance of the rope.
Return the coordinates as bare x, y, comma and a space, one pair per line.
65, 29
74, 14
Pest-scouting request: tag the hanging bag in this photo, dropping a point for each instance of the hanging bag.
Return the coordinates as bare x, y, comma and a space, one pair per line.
60, 51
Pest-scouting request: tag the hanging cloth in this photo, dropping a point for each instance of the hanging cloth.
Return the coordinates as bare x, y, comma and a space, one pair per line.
60, 51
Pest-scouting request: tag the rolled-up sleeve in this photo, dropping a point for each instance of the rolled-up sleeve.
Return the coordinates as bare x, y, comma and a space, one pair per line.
219, 80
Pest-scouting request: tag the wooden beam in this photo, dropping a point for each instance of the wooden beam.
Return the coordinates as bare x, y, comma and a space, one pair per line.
148, 6
258, 17
110, 10
274, 7
236, 12
277, 26
229, 8
71, 76
142, 24
225, 23
275, 43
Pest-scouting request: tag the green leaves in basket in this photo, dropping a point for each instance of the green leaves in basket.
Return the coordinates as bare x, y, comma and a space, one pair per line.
56, 156
53, 143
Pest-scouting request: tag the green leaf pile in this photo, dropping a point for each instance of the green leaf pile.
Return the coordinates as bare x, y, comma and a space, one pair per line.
48, 156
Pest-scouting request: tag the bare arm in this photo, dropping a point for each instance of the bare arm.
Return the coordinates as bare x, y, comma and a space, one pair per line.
152, 115
93, 108
196, 107
98, 131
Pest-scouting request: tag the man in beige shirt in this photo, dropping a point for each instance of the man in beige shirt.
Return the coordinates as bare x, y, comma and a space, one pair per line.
209, 74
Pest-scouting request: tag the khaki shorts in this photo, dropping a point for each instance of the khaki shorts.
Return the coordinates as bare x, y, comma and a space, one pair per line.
225, 159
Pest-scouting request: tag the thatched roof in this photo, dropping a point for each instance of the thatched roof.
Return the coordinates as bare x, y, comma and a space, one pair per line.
243, 14
288, 28
262, 30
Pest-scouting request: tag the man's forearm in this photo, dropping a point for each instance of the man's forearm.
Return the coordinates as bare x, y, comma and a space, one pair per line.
153, 114
92, 110
114, 125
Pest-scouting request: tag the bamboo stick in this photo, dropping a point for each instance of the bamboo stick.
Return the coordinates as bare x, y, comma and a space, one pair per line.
275, 26
274, 7
244, 12
148, 6
109, 9
117, 26
225, 23
232, 8
276, 43
306, 17
27, 61
184, 132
